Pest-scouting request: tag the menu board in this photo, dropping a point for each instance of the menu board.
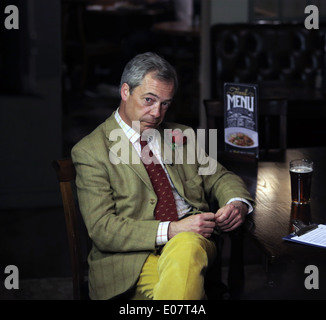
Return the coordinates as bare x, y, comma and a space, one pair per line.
241, 118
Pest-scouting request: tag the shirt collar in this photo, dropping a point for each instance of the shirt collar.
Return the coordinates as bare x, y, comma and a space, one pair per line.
131, 134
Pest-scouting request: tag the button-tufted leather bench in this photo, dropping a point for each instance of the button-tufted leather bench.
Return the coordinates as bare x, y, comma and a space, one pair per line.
260, 53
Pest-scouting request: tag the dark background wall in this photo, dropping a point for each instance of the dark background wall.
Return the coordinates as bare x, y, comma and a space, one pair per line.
30, 118
31, 236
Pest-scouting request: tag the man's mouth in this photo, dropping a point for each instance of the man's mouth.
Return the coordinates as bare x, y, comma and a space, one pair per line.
151, 124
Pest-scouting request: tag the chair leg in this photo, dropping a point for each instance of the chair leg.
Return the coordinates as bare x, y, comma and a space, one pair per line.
236, 274
214, 287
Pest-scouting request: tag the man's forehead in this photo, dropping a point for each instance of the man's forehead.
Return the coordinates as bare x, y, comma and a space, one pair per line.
151, 81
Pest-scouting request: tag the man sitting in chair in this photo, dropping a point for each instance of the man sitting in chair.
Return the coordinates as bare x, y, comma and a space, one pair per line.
149, 217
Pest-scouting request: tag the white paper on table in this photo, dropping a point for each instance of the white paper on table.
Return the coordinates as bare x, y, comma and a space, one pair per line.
315, 237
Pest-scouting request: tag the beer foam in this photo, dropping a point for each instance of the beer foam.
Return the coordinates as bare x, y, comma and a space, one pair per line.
301, 169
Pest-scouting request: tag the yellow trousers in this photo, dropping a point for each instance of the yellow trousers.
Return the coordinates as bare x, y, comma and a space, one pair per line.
178, 273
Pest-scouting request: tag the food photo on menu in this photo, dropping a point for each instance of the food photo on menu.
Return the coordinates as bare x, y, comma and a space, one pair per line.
240, 121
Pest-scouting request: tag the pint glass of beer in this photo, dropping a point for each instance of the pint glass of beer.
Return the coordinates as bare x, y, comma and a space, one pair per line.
301, 173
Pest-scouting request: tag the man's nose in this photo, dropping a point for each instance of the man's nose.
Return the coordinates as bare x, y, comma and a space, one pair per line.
156, 111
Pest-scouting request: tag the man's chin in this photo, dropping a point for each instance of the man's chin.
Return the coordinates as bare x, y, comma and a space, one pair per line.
150, 125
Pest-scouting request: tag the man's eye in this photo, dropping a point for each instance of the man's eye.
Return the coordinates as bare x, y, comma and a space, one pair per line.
148, 100
166, 104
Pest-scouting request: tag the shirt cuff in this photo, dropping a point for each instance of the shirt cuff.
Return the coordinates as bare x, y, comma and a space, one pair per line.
250, 207
162, 233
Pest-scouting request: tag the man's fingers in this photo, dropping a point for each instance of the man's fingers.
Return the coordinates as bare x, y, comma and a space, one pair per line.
207, 216
224, 213
231, 224
229, 217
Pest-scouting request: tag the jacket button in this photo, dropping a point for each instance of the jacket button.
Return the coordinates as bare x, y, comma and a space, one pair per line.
152, 201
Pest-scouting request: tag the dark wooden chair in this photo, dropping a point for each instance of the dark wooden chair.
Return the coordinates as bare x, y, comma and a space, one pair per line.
272, 125
270, 110
78, 239
66, 175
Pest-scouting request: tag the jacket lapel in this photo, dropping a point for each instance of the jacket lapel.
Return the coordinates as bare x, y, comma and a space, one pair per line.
122, 151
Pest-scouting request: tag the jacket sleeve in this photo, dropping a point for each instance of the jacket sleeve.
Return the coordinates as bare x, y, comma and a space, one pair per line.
109, 231
219, 184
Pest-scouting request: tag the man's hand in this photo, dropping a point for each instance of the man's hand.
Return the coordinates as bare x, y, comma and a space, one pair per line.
231, 216
203, 224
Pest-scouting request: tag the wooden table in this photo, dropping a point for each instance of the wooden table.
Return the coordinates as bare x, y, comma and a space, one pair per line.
269, 184
271, 221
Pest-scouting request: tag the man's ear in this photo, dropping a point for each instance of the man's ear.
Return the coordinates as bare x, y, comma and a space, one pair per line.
124, 92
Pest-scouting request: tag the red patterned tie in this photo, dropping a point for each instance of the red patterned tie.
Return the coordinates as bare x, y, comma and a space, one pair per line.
165, 209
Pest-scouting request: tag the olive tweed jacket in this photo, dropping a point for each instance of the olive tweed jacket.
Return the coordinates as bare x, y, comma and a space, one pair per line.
117, 203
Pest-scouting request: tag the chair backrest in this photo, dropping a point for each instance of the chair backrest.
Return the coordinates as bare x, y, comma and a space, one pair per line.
215, 120
272, 114
66, 175
267, 110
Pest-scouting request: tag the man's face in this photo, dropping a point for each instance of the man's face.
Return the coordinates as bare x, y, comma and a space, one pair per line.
148, 102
